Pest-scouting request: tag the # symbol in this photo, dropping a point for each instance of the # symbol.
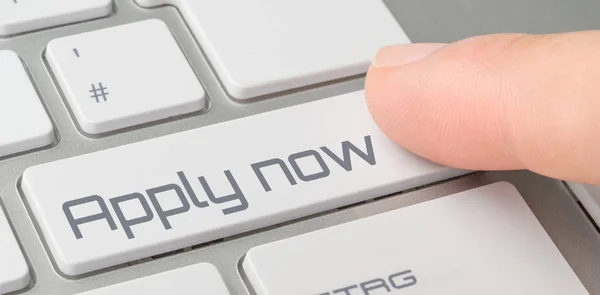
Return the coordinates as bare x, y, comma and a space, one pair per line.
99, 93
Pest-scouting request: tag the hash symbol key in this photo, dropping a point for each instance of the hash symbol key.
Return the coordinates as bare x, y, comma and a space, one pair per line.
143, 88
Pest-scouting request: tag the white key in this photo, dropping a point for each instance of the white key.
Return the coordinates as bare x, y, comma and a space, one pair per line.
195, 279
14, 272
276, 45
20, 16
24, 123
125, 76
589, 196
281, 165
482, 241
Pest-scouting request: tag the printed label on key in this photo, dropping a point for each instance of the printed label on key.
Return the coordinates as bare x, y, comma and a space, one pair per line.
387, 284
99, 93
188, 199
168, 193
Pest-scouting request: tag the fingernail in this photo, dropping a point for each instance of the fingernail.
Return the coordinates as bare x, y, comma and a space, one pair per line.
399, 55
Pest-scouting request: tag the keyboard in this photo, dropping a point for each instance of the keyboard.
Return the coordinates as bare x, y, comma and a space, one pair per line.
226, 148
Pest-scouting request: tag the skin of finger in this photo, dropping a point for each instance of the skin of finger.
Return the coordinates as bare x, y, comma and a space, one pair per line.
388, 56
498, 102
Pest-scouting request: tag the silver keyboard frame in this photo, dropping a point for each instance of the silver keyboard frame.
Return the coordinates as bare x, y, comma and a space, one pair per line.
447, 20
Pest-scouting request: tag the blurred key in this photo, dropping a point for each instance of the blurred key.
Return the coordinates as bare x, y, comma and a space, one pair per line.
482, 241
19, 16
24, 123
198, 279
14, 272
276, 45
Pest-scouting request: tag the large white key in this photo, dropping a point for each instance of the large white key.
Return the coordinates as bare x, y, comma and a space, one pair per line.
276, 45
125, 76
24, 123
14, 272
589, 196
172, 192
196, 279
482, 241
20, 16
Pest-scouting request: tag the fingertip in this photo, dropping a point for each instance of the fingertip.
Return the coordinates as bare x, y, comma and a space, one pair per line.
402, 54
427, 105
380, 88
504, 102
